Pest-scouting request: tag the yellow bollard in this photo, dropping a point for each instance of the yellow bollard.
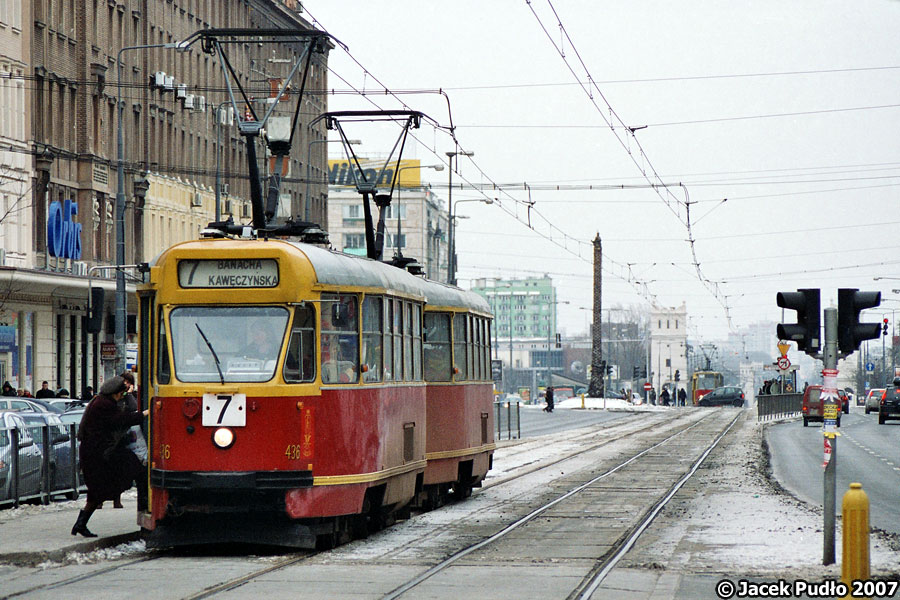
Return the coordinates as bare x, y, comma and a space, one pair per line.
582, 401
855, 539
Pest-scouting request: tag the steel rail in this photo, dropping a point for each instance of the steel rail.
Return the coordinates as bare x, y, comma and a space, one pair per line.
443, 565
609, 564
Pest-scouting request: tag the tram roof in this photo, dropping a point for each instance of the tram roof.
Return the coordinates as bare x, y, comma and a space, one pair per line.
334, 268
337, 268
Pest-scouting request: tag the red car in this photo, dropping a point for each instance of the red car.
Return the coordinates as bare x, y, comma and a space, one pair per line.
812, 405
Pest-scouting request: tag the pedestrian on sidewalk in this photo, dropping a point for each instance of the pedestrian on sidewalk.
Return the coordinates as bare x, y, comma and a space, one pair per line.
682, 396
45, 391
109, 468
664, 396
8, 390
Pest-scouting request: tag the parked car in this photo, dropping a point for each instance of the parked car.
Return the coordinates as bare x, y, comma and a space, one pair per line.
61, 455
29, 404
873, 399
30, 457
72, 416
889, 407
845, 401
813, 409
729, 395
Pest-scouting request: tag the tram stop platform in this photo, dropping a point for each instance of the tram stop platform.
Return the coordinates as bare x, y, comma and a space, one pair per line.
31, 535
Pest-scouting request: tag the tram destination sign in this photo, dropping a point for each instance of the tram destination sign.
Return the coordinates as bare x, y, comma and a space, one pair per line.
232, 273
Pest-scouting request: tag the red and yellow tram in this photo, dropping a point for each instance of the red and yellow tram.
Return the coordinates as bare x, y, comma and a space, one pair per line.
301, 396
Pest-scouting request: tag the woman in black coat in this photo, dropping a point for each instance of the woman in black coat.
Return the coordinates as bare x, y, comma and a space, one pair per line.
109, 468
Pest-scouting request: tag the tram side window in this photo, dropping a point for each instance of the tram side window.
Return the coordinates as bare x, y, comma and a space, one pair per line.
407, 342
300, 362
340, 338
437, 347
470, 356
488, 326
417, 342
459, 346
479, 348
397, 329
373, 313
163, 369
388, 340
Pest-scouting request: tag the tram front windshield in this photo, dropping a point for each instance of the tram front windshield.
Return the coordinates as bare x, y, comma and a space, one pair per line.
227, 343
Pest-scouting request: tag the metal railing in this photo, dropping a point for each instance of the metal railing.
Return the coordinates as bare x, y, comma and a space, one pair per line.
506, 416
36, 465
778, 406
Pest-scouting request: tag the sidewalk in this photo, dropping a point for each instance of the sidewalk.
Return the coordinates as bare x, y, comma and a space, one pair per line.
30, 535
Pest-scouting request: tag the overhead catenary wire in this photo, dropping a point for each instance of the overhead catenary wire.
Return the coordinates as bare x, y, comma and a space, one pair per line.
640, 159
575, 246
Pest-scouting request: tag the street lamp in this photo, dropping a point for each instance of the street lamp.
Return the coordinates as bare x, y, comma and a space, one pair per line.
219, 118
120, 202
308, 161
451, 267
437, 167
550, 328
452, 241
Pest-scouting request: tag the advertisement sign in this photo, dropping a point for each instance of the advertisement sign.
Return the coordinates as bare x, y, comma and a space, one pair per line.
497, 372
107, 351
63, 233
831, 403
7, 338
339, 172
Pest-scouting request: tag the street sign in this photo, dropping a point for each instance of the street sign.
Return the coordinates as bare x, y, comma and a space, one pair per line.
648, 386
784, 363
870, 367
497, 372
783, 347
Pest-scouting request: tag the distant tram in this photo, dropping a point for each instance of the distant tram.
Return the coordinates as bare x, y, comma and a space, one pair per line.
703, 382
302, 397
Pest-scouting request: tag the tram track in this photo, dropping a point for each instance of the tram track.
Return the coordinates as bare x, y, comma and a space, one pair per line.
55, 585
517, 474
608, 562
520, 473
672, 426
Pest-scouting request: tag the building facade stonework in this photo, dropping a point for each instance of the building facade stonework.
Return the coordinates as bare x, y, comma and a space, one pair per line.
58, 134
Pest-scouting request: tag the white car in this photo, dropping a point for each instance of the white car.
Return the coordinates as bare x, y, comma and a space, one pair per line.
873, 399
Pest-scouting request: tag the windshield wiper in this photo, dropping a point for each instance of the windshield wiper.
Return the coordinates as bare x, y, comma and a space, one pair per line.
208, 345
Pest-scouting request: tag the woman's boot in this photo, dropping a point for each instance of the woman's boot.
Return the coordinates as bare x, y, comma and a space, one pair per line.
81, 524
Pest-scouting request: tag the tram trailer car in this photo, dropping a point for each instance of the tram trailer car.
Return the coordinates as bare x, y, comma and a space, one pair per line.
296, 398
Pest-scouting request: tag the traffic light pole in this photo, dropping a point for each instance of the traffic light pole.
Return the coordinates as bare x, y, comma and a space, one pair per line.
843, 333
831, 406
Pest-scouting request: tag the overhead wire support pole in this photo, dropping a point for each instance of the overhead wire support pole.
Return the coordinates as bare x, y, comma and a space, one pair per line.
374, 243
251, 128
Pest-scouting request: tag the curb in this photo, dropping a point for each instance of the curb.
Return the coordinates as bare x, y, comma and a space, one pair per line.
32, 559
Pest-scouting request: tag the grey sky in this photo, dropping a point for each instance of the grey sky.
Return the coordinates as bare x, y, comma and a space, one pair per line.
749, 102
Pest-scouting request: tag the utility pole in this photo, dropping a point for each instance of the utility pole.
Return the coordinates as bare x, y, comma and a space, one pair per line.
830, 409
596, 388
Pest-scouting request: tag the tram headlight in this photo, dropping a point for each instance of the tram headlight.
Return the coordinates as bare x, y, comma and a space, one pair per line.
223, 438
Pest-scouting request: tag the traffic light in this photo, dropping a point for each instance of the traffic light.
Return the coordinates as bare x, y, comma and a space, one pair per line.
806, 331
635, 372
677, 375
609, 369
95, 315
885, 329
850, 331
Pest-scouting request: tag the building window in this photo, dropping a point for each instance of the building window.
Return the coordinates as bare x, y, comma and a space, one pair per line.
391, 239
392, 210
352, 211
354, 240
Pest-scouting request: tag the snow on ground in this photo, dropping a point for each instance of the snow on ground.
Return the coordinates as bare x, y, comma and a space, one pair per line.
731, 519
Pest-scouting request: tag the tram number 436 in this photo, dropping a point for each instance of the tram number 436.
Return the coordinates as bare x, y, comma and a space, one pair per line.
229, 410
